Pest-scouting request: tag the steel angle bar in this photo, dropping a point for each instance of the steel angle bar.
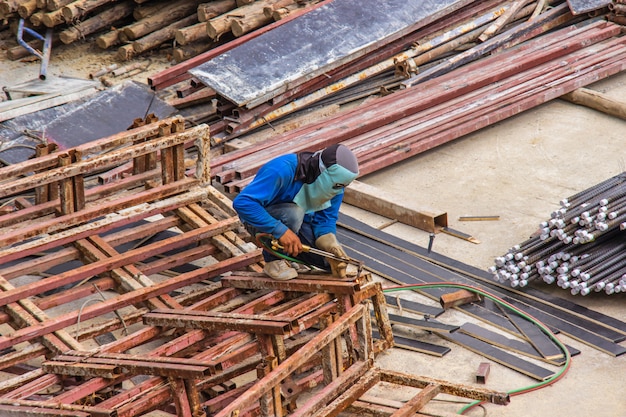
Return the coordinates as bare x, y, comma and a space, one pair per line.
475, 393
422, 47
476, 97
489, 45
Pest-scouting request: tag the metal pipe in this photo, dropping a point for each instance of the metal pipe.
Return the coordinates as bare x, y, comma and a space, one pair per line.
44, 55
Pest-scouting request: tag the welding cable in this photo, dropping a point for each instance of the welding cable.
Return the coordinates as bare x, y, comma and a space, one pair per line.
558, 375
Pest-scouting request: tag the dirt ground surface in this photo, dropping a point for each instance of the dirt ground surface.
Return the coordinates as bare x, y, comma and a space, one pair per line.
519, 170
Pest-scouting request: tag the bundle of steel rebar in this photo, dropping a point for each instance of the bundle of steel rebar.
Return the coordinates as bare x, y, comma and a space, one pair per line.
580, 248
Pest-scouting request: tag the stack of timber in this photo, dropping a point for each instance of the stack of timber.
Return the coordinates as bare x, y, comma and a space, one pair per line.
187, 27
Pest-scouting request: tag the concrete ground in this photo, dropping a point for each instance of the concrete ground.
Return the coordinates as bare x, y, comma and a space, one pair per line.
518, 169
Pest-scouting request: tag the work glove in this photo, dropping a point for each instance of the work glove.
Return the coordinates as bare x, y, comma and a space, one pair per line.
329, 243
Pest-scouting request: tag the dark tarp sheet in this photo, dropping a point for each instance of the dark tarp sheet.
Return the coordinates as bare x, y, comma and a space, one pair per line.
102, 114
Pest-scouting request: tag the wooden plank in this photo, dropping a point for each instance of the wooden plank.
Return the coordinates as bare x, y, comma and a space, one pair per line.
377, 201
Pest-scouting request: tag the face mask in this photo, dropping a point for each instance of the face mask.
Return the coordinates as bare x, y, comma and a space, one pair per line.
317, 195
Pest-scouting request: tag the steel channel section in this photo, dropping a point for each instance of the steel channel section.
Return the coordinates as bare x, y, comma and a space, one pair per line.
224, 160
527, 72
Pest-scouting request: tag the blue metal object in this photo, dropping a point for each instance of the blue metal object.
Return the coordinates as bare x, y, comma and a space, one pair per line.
44, 55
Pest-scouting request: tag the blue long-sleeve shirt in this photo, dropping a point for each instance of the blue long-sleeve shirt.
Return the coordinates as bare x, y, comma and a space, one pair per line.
274, 184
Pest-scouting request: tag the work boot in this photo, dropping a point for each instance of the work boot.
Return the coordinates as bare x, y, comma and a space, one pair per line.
280, 270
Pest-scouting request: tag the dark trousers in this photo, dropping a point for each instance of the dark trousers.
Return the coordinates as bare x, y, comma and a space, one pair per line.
292, 216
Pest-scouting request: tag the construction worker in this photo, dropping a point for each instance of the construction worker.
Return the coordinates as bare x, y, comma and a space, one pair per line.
295, 198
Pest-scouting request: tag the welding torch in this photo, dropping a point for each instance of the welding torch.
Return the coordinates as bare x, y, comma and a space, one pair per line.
329, 255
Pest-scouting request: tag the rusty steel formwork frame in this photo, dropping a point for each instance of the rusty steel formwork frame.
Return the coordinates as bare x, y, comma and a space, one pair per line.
128, 287
76, 257
113, 299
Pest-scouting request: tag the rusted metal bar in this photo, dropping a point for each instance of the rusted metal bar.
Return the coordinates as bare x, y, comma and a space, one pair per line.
100, 162
517, 105
26, 313
66, 189
349, 378
86, 150
117, 364
210, 322
43, 263
301, 285
329, 352
293, 362
92, 194
506, 64
179, 394
103, 225
67, 319
474, 393
530, 77
418, 401
423, 46
351, 394
44, 409
41, 193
